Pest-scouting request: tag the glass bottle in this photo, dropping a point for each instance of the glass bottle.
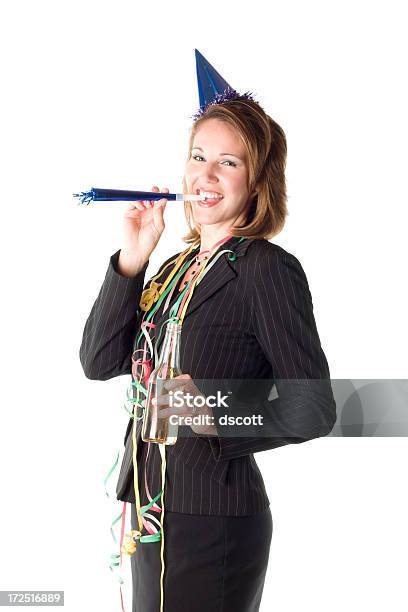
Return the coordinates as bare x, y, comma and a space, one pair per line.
155, 429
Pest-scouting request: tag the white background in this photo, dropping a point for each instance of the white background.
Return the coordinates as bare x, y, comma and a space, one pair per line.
101, 94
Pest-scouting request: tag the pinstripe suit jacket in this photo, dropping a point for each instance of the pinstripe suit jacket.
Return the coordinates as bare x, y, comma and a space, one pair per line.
249, 318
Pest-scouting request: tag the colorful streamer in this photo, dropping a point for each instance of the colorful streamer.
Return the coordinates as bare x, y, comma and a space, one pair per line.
141, 368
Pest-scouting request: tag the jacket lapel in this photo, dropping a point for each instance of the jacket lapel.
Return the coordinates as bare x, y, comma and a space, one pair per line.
221, 273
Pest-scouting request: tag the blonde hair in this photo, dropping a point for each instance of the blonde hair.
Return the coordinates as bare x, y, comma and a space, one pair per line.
266, 150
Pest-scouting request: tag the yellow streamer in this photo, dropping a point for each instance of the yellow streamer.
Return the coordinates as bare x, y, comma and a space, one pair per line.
149, 296
162, 448
134, 453
155, 290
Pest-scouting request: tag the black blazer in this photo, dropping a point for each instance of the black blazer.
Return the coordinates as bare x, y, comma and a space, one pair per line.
249, 318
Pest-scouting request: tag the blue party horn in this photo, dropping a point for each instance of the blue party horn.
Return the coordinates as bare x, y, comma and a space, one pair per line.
112, 195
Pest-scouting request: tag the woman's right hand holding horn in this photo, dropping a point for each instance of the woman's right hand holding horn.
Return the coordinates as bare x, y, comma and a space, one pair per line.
143, 225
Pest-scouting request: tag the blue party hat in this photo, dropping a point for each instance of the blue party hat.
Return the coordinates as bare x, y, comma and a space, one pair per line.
210, 82
212, 87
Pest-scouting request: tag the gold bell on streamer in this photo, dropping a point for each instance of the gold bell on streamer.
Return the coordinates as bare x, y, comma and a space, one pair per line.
130, 544
149, 296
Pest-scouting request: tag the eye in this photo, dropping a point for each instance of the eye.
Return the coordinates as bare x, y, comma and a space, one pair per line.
228, 161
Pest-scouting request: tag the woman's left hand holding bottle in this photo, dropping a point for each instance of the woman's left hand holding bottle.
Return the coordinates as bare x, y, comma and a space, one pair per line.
202, 421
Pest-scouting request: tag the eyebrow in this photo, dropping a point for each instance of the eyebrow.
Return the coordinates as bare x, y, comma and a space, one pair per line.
231, 154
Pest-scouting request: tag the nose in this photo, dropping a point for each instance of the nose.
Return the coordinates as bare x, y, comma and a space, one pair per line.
209, 173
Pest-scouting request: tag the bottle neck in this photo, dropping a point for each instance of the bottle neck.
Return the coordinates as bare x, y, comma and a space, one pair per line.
170, 352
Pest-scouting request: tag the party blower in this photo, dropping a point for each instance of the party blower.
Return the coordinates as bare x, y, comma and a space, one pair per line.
112, 195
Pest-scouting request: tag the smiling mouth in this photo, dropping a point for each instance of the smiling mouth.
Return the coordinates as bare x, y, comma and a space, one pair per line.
210, 198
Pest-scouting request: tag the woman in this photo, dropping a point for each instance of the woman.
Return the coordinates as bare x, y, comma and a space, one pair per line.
250, 318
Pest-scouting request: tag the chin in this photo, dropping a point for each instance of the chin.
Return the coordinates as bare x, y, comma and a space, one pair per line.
199, 211
206, 218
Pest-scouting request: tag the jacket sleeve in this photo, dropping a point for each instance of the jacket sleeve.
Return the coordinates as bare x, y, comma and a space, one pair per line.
284, 325
109, 333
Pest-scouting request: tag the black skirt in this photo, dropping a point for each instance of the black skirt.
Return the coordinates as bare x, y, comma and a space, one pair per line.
212, 563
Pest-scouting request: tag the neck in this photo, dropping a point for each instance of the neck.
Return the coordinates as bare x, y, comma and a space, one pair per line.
209, 238
210, 234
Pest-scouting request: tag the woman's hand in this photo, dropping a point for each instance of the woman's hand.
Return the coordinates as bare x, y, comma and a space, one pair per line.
143, 224
185, 383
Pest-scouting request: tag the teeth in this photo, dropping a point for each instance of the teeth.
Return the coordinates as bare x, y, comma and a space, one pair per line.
210, 195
